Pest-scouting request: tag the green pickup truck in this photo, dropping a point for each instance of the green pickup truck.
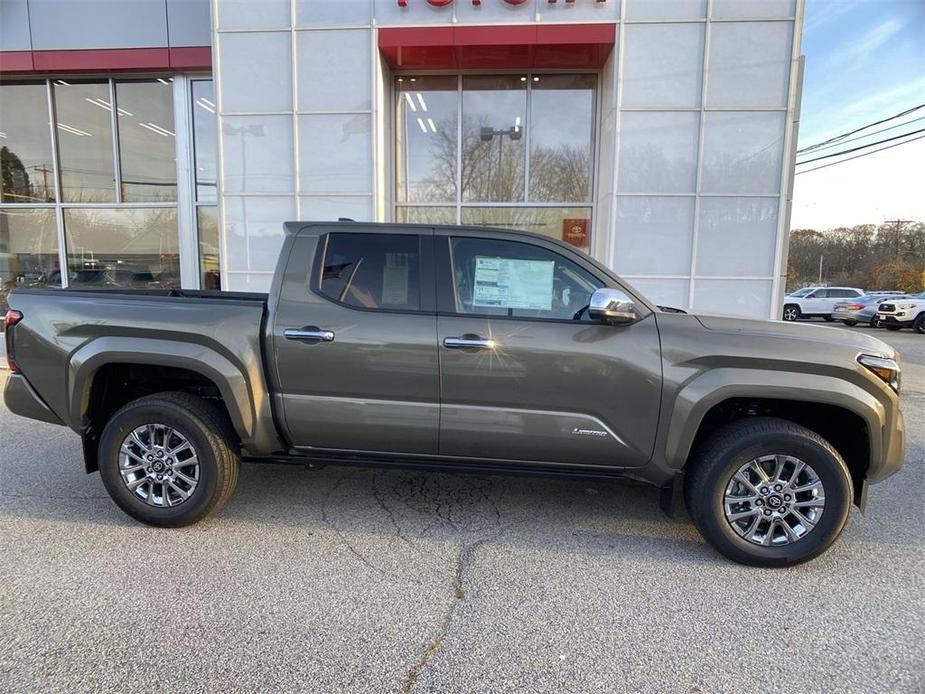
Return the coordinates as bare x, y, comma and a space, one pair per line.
469, 350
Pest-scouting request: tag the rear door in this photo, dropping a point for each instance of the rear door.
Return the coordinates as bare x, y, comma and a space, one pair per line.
355, 341
526, 375
816, 302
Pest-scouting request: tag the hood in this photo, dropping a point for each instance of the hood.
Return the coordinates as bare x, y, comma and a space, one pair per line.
838, 337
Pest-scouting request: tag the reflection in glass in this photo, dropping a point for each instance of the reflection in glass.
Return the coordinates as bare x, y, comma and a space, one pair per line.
561, 137
209, 268
425, 215
25, 144
204, 138
742, 152
425, 140
84, 130
28, 250
127, 247
569, 224
147, 141
658, 152
494, 109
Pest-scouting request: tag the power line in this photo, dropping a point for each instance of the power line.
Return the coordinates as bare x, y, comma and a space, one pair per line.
858, 156
859, 147
875, 132
857, 130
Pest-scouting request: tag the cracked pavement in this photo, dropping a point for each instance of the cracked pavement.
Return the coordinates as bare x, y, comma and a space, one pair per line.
359, 580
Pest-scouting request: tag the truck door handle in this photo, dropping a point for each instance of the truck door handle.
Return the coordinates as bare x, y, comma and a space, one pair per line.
310, 334
468, 342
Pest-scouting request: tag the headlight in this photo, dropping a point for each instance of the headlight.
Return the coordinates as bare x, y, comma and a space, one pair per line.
887, 370
905, 307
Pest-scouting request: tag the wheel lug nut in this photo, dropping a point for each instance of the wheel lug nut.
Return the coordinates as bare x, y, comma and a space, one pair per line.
758, 502
160, 477
767, 512
777, 487
786, 497
765, 490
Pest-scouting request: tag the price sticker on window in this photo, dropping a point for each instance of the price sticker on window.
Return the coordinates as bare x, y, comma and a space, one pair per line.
513, 283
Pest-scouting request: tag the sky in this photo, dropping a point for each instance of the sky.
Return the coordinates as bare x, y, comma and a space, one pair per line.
865, 61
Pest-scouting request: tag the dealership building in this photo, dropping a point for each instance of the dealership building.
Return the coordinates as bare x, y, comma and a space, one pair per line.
156, 143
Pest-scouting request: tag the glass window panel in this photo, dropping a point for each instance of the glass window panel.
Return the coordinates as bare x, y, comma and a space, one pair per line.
561, 148
426, 215
258, 154
25, 144
373, 271
737, 236
335, 154
28, 250
742, 152
127, 247
664, 292
493, 159
653, 235
656, 77
327, 13
750, 298
749, 64
147, 141
254, 231
665, 9
729, 9
599, 10
331, 207
658, 152
205, 138
542, 283
209, 252
84, 130
569, 224
324, 58
425, 138
257, 72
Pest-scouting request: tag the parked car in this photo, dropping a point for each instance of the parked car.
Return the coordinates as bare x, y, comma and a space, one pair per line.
462, 349
897, 314
817, 302
863, 309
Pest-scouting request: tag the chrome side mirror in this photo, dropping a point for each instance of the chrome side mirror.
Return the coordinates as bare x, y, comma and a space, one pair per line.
611, 306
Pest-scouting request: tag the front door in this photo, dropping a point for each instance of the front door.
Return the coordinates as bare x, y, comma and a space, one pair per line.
526, 375
355, 342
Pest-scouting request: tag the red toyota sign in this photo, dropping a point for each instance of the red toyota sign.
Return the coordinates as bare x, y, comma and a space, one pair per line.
575, 232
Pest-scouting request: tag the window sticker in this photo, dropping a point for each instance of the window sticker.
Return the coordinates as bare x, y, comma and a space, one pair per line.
511, 283
395, 280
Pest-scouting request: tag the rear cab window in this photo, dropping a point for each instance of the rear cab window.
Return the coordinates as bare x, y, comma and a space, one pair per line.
372, 271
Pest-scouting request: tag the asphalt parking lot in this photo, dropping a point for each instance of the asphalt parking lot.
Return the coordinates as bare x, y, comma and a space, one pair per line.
354, 580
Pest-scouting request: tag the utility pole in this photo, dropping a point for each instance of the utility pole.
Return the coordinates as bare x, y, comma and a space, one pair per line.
897, 225
820, 270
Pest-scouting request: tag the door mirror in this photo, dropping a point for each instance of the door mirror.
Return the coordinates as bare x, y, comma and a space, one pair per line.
611, 306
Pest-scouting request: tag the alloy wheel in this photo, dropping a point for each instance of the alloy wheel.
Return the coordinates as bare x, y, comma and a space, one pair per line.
791, 313
159, 465
774, 500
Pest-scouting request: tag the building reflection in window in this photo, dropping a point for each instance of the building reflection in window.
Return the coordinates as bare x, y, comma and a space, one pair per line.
26, 168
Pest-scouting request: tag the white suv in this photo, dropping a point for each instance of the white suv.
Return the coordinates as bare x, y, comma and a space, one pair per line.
819, 302
903, 312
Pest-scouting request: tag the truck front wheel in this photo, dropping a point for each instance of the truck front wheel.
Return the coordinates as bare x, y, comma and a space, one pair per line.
768, 492
165, 459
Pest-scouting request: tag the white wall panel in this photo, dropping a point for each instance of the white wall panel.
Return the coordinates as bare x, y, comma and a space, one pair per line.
325, 58
735, 9
256, 72
665, 9
257, 154
653, 235
658, 76
736, 236
742, 152
663, 292
733, 297
749, 64
658, 152
247, 14
254, 231
317, 13
335, 154
332, 207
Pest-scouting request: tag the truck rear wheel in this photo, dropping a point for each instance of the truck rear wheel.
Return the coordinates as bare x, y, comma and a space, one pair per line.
768, 492
165, 459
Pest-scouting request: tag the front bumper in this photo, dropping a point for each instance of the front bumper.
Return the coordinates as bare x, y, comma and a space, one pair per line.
890, 319
21, 399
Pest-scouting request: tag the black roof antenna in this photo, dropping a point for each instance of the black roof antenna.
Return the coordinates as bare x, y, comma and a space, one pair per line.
345, 219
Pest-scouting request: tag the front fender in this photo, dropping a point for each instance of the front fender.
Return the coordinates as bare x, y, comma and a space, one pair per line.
231, 382
712, 387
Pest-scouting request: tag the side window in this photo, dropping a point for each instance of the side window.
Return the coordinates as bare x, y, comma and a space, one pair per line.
520, 280
374, 271
819, 294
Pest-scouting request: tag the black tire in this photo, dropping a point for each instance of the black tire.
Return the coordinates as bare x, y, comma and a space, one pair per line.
894, 328
875, 322
828, 318
715, 462
850, 323
792, 312
919, 324
207, 429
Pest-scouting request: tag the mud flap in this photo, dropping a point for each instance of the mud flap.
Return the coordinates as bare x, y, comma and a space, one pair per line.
671, 499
